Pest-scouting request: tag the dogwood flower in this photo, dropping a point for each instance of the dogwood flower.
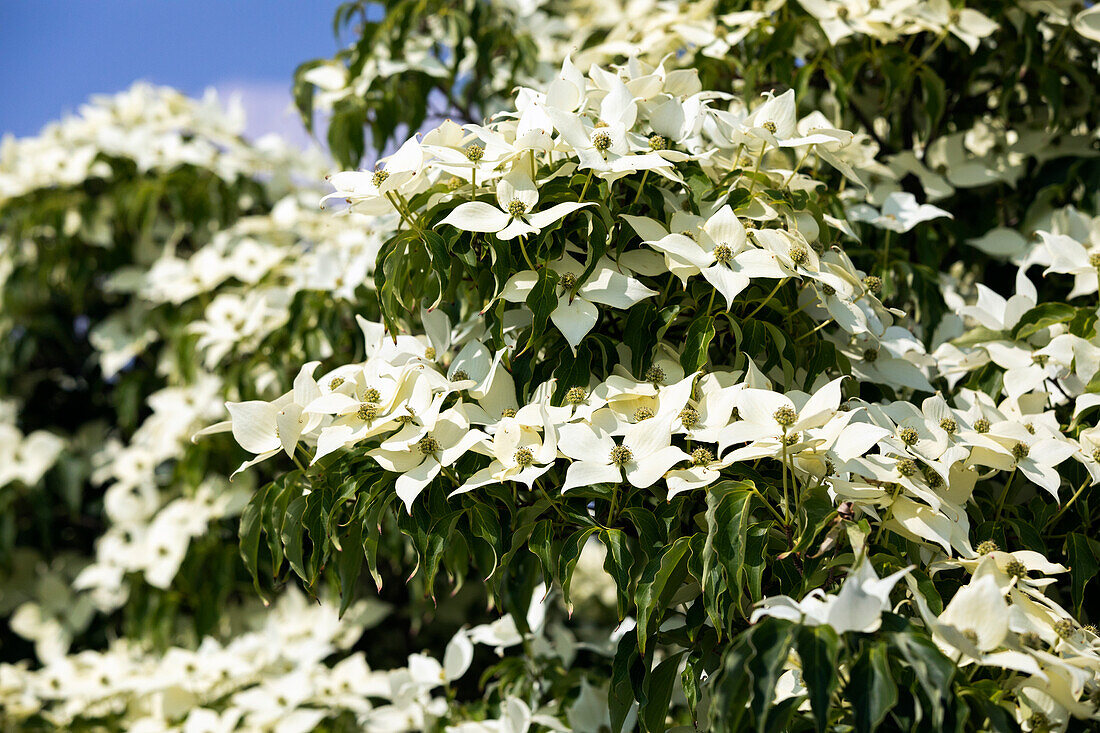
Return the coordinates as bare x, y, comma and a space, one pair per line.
447, 440
576, 312
514, 216
643, 456
858, 606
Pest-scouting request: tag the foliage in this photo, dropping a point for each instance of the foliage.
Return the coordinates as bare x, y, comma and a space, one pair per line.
733, 365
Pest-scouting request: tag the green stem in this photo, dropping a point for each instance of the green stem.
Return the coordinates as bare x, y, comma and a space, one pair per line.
1067, 505
584, 190
640, 187
1004, 496
767, 299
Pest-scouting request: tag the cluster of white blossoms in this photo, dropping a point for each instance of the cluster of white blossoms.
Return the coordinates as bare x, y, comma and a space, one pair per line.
274, 672
438, 403
154, 127
420, 403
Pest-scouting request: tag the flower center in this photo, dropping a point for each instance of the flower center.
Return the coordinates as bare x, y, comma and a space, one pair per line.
379, 178
770, 126
657, 142
335, 383
428, 445
474, 153
1020, 451
507, 412
576, 396
1016, 569
1064, 628
785, 416
1094, 259
601, 141
524, 457
907, 467
370, 394
799, 254
621, 455
366, 411
909, 436
655, 374
981, 425
873, 283
987, 547
460, 375
1040, 359
689, 418
949, 426
701, 457
870, 355
642, 413
516, 208
723, 254
568, 281
429, 353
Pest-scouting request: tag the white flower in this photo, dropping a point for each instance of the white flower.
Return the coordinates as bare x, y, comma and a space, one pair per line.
900, 213
858, 606
644, 455
576, 313
514, 215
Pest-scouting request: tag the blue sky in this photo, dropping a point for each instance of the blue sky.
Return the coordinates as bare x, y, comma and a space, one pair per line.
55, 53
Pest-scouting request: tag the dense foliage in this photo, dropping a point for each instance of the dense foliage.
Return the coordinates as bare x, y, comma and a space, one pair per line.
711, 366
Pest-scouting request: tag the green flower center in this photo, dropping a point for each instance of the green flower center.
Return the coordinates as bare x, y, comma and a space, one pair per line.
689, 418
799, 254
770, 126
568, 281
428, 445
379, 178
987, 547
1020, 451
981, 425
524, 457
723, 254
907, 467
657, 142
367, 411
909, 436
507, 412
873, 284
1064, 628
655, 374
460, 375
870, 355
621, 455
1016, 569
516, 208
601, 141
701, 457
785, 416
949, 426
370, 394
576, 395
474, 153
335, 383
642, 413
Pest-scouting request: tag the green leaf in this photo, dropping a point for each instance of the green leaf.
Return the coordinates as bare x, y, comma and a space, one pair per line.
1083, 554
727, 519
871, 689
697, 343
617, 563
658, 688
249, 533
933, 670
1040, 317
819, 649
543, 299
771, 642
659, 582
